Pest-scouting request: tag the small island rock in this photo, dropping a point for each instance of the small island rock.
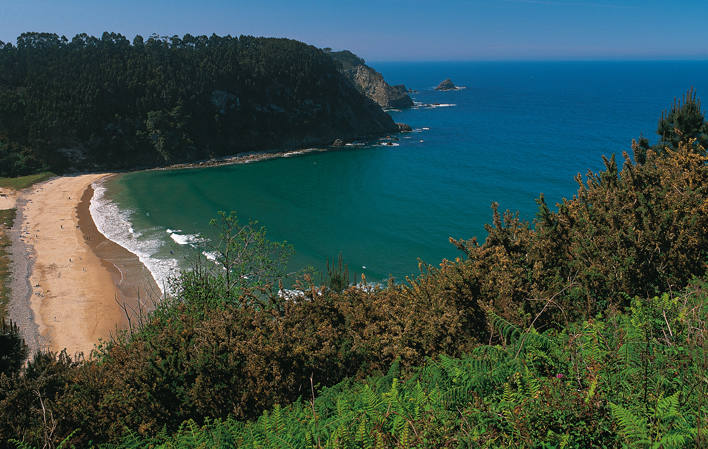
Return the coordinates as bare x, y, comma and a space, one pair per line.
446, 85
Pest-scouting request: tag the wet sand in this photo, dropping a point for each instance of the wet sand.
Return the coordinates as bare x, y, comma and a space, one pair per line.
81, 283
137, 290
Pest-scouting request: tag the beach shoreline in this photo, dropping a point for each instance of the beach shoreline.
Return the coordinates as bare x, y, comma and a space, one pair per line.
72, 294
258, 156
246, 158
72, 287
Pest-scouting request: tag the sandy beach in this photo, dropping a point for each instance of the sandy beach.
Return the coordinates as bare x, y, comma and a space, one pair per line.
79, 281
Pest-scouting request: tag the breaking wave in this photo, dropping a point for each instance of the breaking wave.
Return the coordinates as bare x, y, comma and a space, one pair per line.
115, 225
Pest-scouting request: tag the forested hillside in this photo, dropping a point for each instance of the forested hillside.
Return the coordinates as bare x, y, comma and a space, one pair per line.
106, 103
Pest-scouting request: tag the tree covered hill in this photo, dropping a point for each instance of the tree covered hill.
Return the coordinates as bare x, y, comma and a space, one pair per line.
97, 103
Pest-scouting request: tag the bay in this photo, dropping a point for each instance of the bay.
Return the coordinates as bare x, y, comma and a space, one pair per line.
516, 129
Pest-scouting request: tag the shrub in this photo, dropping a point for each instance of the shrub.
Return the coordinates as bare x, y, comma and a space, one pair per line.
13, 350
633, 379
638, 231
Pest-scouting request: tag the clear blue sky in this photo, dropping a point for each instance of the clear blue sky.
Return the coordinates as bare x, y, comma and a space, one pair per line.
399, 29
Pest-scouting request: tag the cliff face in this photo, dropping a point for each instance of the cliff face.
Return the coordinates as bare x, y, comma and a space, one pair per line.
370, 82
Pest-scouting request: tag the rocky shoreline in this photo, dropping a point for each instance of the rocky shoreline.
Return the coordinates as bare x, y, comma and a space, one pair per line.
19, 309
256, 156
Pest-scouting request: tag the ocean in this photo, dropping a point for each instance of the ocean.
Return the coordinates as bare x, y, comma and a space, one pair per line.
512, 131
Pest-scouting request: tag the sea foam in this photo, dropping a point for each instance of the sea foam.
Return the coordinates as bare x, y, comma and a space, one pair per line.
185, 239
419, 105
115, 225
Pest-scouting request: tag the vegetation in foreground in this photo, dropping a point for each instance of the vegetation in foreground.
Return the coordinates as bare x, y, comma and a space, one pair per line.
634, 379
555, 334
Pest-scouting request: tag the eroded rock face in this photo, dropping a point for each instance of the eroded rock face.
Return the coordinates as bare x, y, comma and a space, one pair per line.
446, 85
371, 83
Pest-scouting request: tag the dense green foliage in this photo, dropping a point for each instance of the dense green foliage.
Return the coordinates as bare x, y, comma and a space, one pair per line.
554, 335
345, 58
637, 379
684, 121
106, 103
13, 350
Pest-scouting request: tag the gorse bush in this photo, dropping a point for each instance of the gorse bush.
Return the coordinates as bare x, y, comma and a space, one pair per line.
641, 230
548, 335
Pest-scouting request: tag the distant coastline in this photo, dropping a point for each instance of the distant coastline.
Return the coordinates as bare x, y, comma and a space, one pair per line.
245, 158
257, 156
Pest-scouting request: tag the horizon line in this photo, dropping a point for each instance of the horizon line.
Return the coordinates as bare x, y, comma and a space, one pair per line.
600, 59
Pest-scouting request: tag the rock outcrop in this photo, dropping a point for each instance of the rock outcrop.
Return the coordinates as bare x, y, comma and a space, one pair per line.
370, 82
446, 85
404, 128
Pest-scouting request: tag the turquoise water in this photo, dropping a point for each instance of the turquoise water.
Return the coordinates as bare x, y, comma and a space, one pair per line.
514, 131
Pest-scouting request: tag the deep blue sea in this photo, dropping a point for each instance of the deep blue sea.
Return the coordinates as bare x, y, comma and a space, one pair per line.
515, 130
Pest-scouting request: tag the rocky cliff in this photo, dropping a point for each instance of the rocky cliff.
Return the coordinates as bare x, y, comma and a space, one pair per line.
370, 82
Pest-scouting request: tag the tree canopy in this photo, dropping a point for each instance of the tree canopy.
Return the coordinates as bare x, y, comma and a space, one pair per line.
97, 103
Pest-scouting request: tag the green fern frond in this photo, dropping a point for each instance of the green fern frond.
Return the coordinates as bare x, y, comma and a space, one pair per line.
632, 428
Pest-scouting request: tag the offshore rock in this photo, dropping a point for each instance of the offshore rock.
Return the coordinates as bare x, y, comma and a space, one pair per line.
402, 127
446, 85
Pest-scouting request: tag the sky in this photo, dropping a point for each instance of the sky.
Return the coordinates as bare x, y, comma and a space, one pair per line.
399, 30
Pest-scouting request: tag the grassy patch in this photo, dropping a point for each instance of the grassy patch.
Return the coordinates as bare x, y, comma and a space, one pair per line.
22, 182
7, 218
